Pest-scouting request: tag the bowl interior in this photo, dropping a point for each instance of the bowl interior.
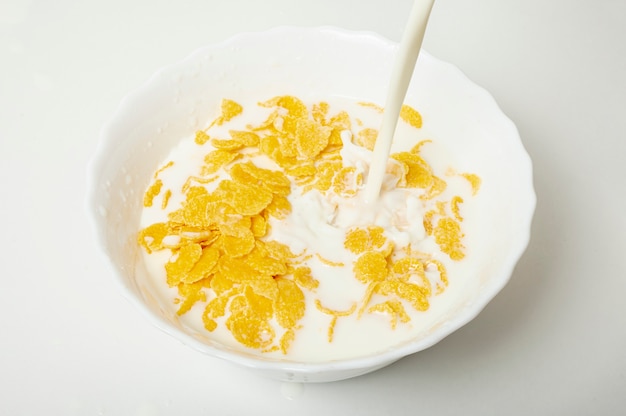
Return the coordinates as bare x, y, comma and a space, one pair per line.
313, 64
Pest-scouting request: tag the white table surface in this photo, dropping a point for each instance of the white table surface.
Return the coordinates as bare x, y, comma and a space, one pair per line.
553, 342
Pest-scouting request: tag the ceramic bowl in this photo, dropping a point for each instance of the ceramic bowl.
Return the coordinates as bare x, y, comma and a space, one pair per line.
179, 99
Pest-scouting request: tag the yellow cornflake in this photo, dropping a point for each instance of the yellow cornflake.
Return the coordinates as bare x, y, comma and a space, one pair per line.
201, 137
311, 137
454, 205
448, 236
217, 159
347, 181
203, 267
302, 276
230, 109
335, 314
162, 168
474, 180
411, 116
376, 107
244, 199
359, 240
366, 138
199, 180
279, 207
166, 198
226, 144
184, 260
245, 138
329, 262
395, 309
371, 267
419, 173
151, 237
249, 320
319, 112
153, 191
272, 180
289, 305
436, 188
190, 294
418, 147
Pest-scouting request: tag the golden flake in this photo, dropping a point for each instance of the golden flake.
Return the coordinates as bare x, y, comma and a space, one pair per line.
217, 159
371, 267
411, 116
311, 137
366, 138
448, 236
152, 192
395, 309
201, 137
454, 204
474, 181
183, 262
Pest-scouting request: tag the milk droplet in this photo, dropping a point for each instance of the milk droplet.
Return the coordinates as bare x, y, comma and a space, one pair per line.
128, 179
292, 391
149, 144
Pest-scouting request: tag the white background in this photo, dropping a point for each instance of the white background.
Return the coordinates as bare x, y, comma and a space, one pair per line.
553, 342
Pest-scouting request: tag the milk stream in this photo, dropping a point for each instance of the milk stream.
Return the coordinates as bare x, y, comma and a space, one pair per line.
402, 72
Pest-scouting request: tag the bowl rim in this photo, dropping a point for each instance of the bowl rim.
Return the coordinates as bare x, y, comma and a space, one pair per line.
375, 360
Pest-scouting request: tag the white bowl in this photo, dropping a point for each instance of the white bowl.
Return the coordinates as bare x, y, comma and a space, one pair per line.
179, 99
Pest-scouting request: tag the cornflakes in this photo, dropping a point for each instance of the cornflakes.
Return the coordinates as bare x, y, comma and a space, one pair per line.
223, 255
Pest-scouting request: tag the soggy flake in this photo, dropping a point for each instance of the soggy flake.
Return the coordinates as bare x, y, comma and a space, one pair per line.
418, 147
289, 305
230, 109
258, 226
474, 181
347, 181
235, 246
311, 137
359, 240
319, 112
436, 188
245, 138
394, 309
371, 267
410, 116
448, 236
454, 204
303, 277
279, 207
190, 294
245, 199
201, 137
217, 159
151, 237
228, 145
286, 340
272, 180
153, 191
373, 106
183, 262
419, 174
166, 198
335, 315
203, 267
366, 138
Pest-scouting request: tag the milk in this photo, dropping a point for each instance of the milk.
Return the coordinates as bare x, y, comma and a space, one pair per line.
318, 225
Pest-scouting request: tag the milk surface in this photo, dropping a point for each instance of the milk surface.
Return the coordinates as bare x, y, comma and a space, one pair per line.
318, 225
